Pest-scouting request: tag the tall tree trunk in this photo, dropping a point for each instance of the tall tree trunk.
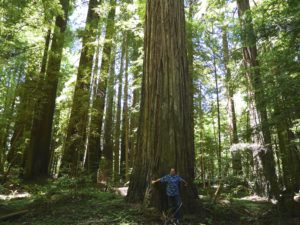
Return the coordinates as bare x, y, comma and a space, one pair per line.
56, 140
108, 145
76, 132
201, 138
7, 115
262, 132
23, 122
190, 59
287, 147
17, 136
288, 152
136, 95
125, 122
215, 140
190, 36
38, 153
90, 157
236, 156
219, 153
46, 51
118, 113
94, 146
165, 136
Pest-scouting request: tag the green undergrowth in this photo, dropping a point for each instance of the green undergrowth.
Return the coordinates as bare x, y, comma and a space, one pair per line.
69, 201
77, 201
87, 206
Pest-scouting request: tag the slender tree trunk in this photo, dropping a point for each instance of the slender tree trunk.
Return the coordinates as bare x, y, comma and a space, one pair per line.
165, 136
236, 156
219, 153
94, 146
278, 163
92, 152
38, 153
46, 51
76, 132
215, 140
201, 137
262, 132
125, 122
118, 113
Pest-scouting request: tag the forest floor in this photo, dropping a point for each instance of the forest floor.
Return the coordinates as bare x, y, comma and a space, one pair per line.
62, 204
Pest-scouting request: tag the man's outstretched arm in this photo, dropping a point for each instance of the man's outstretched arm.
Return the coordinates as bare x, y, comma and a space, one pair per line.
184, 181
155, 181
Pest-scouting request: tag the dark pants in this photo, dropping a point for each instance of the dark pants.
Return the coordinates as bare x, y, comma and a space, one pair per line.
174, 203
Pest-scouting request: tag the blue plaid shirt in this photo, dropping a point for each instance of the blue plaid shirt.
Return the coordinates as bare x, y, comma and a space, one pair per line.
172, 184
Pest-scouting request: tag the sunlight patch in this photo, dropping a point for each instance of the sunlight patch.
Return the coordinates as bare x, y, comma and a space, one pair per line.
14, 195
256, 198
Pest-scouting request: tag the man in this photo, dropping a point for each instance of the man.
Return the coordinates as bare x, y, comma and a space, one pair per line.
173, 182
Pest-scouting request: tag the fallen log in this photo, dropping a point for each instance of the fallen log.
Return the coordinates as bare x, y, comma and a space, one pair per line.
14, 214
217, 193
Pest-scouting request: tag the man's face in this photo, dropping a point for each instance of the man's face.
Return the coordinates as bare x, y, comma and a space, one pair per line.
172, 171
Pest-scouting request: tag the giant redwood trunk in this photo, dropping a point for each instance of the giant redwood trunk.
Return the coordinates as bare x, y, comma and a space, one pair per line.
258, 111
165, 135
108, 145
94, 145
77, 127
23, 118
39, 152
